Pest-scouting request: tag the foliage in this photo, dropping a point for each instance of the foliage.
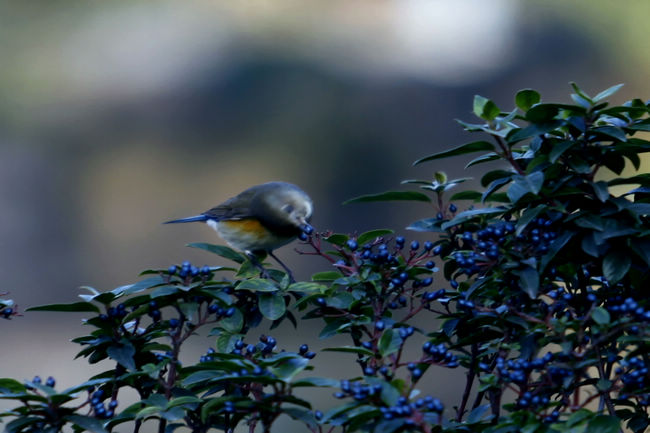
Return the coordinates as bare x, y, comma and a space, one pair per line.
543, 304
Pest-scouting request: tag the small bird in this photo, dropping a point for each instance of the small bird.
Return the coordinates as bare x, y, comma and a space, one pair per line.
260, 219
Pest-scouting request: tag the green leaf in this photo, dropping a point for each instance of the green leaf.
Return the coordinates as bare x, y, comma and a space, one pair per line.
366, 237
257, 285
607, 93
554, 248
485, 108
123, 354
529, 281
271, 305
604, 424
350, 349
559, 148
602, 190
316, 381
527, 216
615, 266
326, 276
233, 323
140, 286
522, 185
220, 250
611, 132
466, 195
77, 307
390, 196
307, 287
87, 423
600, 315
475, 146
471, 214
526, 98
289, 367
389, 343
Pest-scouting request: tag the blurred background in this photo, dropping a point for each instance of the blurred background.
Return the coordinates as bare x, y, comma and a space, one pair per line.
117, 116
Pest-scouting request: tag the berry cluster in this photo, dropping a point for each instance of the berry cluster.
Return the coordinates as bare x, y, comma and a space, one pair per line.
528, 400
99, 409
405, 409
439, 354
517, 370
618, 307
187, 272
358, 390
633, 373
51, 382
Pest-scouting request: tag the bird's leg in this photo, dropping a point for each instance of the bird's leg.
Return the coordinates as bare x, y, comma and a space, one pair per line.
291, 279
256, 262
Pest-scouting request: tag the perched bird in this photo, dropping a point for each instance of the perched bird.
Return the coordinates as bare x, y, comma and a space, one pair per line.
260, 219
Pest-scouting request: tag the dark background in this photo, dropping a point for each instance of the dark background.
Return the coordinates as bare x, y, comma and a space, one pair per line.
116, 116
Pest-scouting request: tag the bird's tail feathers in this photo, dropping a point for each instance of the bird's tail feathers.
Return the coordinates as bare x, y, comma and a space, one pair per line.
191, 219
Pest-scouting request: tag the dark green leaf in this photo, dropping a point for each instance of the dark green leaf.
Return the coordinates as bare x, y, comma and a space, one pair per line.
466, 195
350, 349
471, 214
522, 185
220, 250
87, 423
369, 236
389, 342
483, 158
600, 315
426, 225
140, 286
475, 146
326, 276
257, 285
529, 281
316, 381
123, 354
527, 216
601, 189
233, 323
289, 367
604, 424
611, 132
559, 148
390, 196
555, 247
79, 307
271, 305
526, 98
615, 266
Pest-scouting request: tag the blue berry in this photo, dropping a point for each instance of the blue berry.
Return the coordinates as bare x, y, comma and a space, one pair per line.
172, 270
415, 245
452, 208
352, 244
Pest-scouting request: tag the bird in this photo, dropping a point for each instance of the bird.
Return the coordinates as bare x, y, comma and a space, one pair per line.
260, 219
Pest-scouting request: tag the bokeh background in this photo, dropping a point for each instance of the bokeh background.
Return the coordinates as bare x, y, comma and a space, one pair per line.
116, 116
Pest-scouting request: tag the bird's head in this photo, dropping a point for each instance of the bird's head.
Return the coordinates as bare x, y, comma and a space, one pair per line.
284, 205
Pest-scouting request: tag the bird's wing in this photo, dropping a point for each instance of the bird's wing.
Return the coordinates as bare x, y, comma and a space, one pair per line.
235, 208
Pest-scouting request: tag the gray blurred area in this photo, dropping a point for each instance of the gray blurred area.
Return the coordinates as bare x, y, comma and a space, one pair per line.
117, 116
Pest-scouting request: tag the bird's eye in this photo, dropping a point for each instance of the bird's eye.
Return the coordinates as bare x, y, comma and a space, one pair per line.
287, 208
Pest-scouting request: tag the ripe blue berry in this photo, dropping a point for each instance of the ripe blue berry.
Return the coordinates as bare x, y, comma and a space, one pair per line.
172, 270
352, 244
452, 208
415, 245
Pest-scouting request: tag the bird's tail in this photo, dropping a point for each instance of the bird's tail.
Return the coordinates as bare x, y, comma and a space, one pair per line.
188, 219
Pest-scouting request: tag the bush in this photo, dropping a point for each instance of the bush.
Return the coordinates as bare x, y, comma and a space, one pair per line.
544, 304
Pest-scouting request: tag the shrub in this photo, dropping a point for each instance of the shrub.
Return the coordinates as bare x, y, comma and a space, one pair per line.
543, 304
